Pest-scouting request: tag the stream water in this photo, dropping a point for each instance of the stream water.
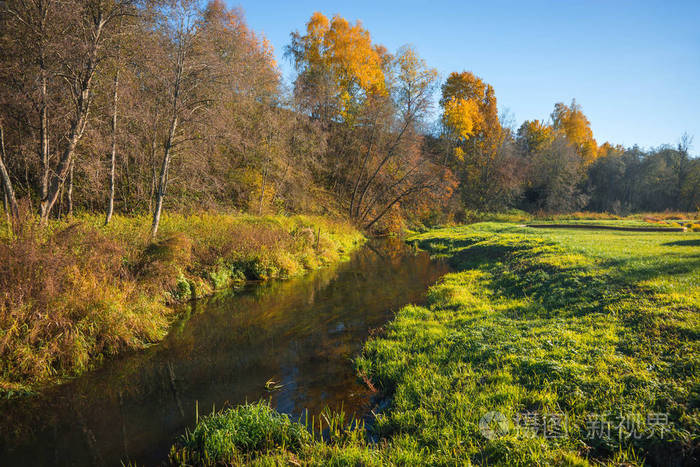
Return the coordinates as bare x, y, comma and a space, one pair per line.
301, 333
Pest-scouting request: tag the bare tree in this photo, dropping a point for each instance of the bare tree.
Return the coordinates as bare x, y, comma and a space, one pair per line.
395, 141
90, 32
185, 84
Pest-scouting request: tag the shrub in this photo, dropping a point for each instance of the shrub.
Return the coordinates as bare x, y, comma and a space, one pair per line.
220, 277
182, 291
200, 288
66, 299
254, 269
237, 275
287, 264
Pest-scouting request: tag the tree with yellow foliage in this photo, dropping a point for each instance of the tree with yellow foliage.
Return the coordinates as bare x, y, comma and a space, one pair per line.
338, 58
462, 118
482, 110
534, 135
476, 139
571, 121
470, 116
606, 149
373, 106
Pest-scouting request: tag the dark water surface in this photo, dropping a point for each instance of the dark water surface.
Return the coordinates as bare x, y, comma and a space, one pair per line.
302, 333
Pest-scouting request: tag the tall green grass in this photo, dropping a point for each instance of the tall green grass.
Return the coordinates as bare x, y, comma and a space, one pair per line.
258, 435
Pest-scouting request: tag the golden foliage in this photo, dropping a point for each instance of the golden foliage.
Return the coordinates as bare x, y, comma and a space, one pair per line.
607, 149
470, 108
462, 116
346, 51
468, 86
571, 121
536, 134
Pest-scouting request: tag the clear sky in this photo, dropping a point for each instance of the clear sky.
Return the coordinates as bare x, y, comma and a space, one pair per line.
634, 66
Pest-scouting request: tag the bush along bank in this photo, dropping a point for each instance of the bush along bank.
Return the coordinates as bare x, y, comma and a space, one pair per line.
76, 291
535, 352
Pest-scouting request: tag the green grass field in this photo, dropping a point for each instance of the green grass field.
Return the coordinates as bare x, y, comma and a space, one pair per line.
544, 347
579, 324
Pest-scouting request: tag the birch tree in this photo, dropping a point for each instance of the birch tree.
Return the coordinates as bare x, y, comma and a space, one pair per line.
185, 80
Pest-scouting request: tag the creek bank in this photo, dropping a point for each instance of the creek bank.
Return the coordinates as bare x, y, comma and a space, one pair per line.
78, 292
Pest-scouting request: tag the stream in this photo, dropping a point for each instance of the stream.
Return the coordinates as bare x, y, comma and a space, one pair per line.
301, 333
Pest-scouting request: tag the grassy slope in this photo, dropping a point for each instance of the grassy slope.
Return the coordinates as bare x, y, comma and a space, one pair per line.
546, 322
77, 291
572, 322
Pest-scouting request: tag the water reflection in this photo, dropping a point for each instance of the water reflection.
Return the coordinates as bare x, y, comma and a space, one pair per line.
301, 333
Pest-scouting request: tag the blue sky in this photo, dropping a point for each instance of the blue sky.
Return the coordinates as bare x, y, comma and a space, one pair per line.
634, 66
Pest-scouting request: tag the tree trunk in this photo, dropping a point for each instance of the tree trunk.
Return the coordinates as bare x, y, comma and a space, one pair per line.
60, 202
6, 182
389, 155
262, 196
262, 188
160, 193
44, 136
6, 208
152, 193
27, 183
59, 176
115, 100
355, 210
70, 189
154, 169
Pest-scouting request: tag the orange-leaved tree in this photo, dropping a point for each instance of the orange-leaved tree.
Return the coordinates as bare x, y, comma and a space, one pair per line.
338, 59
476, 139
571, 121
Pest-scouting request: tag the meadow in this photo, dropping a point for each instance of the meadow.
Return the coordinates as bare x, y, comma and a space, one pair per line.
76, 291
564, 347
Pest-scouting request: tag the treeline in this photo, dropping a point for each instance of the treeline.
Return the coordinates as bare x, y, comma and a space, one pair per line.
555, 166
143, 105
567, 172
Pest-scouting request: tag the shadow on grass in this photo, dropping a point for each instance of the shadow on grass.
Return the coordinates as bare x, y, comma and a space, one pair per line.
627, 273
683, 243
576, 290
